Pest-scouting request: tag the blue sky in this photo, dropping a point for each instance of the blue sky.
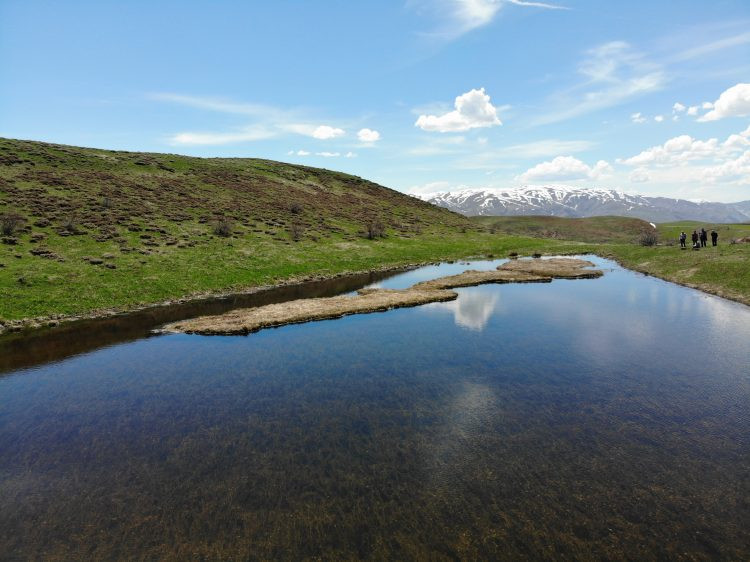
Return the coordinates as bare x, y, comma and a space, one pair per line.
419, 95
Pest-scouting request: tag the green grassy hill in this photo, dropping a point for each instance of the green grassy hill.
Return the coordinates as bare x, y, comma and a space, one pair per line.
89, 229
593, 229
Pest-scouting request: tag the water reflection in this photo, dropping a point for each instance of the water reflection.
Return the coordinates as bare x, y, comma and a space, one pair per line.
473, 308
566, 420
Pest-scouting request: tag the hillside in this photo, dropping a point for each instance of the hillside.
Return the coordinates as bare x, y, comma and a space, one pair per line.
593, 229
577, 202
89, 229
104, 195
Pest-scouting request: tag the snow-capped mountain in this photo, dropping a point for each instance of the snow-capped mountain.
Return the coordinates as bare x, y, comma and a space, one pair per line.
566, 201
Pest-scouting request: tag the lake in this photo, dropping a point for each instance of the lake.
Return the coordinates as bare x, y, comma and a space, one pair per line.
601, 418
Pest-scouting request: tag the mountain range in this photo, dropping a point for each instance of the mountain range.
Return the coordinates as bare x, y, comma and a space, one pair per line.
566, 201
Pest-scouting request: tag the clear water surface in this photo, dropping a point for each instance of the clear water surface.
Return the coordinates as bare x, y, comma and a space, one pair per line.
604, 418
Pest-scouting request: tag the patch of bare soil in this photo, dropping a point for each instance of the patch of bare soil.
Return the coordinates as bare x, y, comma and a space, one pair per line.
245, 321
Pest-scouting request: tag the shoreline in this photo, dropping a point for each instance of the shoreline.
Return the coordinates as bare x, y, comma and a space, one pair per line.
54, 320
709, 290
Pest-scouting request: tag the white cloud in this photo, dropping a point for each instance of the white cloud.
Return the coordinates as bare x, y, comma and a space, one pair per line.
674, 151
368, 135
659, 118
637, 118
350, 154
692, 110
325, 132
708, 105
678, 108
461, 16
639, 175
732, 170
303, 153
734, 102
471, 14
538, 5
613, 73
565, 168
472, 110
326, 154
684, 159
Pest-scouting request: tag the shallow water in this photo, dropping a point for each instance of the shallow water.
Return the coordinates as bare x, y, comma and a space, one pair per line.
590, 418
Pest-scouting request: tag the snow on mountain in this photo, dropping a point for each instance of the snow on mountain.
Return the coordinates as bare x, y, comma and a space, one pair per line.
567, 201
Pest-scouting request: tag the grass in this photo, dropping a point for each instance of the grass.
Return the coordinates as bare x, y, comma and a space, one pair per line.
107, 230
723, 270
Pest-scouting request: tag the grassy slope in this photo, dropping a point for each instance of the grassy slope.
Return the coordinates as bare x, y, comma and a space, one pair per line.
594, 229
151, 217
724, 270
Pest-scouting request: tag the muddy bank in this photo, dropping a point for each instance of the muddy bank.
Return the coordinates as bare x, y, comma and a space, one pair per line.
248, 320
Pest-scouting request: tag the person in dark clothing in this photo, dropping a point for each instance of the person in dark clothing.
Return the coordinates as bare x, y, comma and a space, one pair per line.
683, 237
704, 238
695, 239
714, 237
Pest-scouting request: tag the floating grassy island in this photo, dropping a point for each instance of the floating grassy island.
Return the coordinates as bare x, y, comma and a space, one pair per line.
244, 321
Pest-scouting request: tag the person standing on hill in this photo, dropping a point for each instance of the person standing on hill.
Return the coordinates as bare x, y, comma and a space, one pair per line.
714, 237
695, 239
704, 238
683, 237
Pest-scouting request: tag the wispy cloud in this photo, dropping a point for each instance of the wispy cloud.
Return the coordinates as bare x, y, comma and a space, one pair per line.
613, 74
220, 105
269, 122
508, 156
246, 134
458, 17
710, 47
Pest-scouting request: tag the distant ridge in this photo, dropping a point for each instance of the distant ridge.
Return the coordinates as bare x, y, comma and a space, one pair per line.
566, 201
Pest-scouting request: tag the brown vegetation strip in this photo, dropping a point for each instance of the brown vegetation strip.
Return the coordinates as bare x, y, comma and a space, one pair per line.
247, 320
558, 268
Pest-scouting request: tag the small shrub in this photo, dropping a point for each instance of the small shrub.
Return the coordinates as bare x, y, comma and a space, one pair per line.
536, 255
513, 255
296, 231
223, 228
648, 238
295, 208
10, 222
69, 225
375, 229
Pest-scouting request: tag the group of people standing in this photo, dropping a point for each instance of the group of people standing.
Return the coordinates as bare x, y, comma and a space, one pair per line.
700, 239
